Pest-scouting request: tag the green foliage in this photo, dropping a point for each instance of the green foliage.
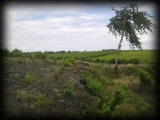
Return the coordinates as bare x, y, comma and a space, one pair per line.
81, 55
144, 78
68, 61
134, 61
128, 21
40, 100
124, 110
125, 61
16, 53
94, 87
142, 107
5, 52
135, 57
33, 55
28, 79
69, 89
122, 103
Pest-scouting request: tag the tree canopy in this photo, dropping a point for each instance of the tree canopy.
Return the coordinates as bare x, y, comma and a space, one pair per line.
128, 22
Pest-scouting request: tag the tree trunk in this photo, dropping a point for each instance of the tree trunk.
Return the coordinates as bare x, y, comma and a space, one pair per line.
117, 55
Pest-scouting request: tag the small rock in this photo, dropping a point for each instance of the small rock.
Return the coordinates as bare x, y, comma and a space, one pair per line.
56, 90
69, 104
62, 101
84, 68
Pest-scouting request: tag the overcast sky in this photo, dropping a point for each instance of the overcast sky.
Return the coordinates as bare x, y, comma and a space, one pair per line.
55, 27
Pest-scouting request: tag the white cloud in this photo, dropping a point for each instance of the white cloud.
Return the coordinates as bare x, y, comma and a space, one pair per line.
60, 28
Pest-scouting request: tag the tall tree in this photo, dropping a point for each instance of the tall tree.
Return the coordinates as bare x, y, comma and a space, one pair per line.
127, 22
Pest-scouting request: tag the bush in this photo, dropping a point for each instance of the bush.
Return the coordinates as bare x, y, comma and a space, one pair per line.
68, 61
144, 78
28, 79
94, 87
124, 110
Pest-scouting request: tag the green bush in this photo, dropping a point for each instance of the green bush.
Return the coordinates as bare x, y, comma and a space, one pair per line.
40, 100
68, 61
28, 79
144, 78
69, 89
94, 87
124, 110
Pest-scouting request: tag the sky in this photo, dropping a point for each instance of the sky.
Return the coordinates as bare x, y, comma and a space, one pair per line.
69, 27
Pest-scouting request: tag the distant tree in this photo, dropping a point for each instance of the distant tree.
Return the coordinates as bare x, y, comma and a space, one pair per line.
4, 52
127, 22
16, 53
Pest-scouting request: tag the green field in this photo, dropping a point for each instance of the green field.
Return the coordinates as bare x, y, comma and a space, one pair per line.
81, 85
82, 55
144, 56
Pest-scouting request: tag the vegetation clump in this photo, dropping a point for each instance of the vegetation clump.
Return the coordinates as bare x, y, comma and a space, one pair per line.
69, 90
28, 79
144, 78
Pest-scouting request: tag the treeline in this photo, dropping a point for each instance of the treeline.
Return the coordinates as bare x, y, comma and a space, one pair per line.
18, 53
50, 54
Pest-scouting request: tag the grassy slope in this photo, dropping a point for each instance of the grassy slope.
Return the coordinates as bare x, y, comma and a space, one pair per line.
46, 93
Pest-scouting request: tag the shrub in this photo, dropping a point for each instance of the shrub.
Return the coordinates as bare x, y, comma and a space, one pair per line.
28, 79
68, 61
69, 89
144, 78
94, 87
40, 100
72, 60
124, 110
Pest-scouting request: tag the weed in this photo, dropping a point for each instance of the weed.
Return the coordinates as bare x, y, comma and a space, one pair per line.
28, 79
69, 89
24, 95
40, 100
